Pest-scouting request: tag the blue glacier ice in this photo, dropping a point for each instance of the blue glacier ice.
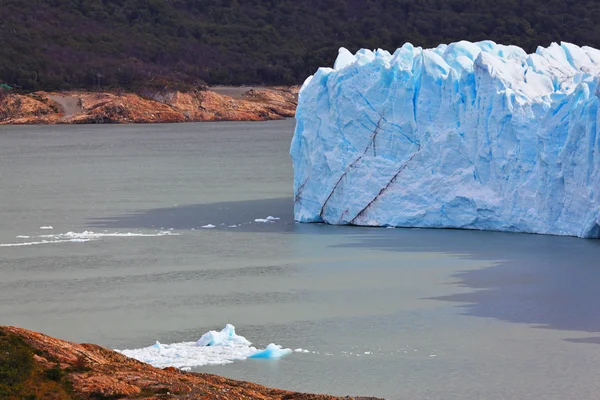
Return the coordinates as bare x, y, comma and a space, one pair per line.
465, 135
271, 352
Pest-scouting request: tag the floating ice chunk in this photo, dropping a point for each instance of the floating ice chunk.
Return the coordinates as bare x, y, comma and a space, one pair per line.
227, 337
189, 354
46, 227
209, 226
212, 348
301, 350
272, 351
268, 219
159, 347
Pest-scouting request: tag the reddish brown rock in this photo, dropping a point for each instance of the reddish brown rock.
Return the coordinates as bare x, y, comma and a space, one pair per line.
93, 372
281, 102
151, 107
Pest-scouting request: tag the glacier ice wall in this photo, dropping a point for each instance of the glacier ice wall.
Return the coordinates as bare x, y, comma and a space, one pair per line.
466, 135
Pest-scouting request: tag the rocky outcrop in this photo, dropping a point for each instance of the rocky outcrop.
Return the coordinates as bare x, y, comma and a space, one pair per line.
150, 106
33, 365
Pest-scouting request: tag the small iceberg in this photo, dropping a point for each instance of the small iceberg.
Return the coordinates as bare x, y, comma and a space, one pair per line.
159, 346
227, 337
271, 352
300, 350
213, 348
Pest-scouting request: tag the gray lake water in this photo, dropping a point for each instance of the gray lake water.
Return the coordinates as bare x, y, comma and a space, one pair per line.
395, 313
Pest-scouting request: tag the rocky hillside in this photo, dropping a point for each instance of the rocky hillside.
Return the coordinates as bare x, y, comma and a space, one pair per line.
101, 44
36, 366
149, 106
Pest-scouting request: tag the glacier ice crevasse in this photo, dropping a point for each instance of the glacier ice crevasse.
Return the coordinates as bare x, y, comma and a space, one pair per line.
465, 135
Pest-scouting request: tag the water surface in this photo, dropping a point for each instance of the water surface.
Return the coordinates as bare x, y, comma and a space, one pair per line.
396, 313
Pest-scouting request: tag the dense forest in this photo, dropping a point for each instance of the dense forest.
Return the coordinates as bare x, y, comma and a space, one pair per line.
63, 44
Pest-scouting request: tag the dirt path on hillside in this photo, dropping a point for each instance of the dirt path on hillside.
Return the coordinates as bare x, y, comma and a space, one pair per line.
70, 105
235, 92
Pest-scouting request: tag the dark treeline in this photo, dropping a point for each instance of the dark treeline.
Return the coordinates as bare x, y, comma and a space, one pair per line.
64, 44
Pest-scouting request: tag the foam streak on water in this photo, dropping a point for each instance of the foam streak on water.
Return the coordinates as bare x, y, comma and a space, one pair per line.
81, 237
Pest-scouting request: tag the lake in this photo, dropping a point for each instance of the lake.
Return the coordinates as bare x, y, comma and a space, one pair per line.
395, 313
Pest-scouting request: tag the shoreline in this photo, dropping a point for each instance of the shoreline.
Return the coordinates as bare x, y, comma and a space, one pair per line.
36, 364
219, 103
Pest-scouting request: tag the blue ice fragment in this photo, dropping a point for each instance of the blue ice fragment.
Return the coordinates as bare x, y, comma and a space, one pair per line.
272, 351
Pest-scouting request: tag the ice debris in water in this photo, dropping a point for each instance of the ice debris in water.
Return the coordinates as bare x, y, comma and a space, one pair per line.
300, 350
46, 227
80, 237
43, 242
272, 351
211, 349
465, 135
209, 226
89, 235
268, 219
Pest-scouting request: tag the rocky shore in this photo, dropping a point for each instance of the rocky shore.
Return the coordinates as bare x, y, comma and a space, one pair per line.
149, 106
36, 366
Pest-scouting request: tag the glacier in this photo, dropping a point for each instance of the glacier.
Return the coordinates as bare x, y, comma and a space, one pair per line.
466, 135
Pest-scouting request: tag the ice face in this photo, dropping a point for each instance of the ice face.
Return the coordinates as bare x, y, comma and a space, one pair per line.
468, 135
212, 348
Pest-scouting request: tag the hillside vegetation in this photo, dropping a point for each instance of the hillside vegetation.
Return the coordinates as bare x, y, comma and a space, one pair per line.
66, 44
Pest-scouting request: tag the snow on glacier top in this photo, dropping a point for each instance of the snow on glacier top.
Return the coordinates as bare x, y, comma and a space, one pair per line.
556, 68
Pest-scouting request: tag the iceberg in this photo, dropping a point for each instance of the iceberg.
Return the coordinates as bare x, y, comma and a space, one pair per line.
466, 135
272, 351
213, 348
227, 337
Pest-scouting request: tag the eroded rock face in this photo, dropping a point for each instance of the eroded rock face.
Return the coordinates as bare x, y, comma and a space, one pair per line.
96, 372
153, 107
